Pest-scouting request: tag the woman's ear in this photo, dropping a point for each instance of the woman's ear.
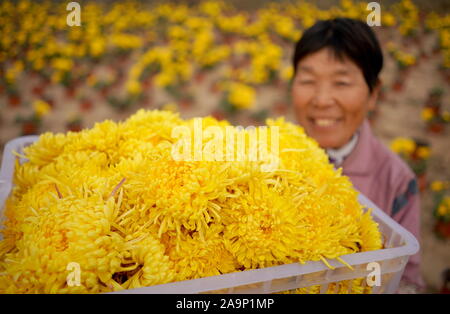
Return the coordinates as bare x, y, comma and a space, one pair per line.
373, 97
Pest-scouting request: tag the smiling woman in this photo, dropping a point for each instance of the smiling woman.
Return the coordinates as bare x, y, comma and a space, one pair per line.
336, 84
331, 98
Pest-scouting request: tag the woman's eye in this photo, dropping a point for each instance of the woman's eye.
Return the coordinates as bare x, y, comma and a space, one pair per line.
342, 84
306, 82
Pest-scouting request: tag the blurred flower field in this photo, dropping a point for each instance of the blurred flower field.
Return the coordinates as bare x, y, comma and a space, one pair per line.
213, 58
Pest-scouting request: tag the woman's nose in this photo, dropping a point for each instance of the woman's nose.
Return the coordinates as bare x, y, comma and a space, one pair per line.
323, 97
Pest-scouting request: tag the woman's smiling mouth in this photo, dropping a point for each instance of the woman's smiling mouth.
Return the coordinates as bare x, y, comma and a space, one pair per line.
325, 122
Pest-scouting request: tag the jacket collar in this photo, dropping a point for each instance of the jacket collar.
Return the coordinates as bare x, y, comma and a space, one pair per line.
337, 156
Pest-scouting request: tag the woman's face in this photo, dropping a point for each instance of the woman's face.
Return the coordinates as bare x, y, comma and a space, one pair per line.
331, 98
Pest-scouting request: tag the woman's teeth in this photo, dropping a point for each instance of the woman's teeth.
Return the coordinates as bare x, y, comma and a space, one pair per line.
325, 122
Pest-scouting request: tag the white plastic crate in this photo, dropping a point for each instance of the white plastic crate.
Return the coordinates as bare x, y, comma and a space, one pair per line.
399, 245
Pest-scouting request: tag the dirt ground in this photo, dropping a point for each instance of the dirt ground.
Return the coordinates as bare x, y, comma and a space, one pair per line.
398, 115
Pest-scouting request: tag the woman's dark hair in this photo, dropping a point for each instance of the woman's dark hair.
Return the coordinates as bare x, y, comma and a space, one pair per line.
346, 38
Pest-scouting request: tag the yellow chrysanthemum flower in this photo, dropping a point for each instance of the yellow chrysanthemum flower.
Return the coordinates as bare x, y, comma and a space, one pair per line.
241, 96
133, 87
427, 114
437, 186
403, 145
62, 64
444, 207
126, 41
196, 256
41, 108
423, 152
446, 116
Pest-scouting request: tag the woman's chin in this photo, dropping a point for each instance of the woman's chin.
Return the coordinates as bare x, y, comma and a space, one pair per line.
328, 143
329, 138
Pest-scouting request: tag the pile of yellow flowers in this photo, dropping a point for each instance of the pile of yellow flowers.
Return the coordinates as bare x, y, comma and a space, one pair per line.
113, 200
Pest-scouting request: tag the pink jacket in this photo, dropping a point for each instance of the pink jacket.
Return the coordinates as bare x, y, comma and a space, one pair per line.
389, 183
